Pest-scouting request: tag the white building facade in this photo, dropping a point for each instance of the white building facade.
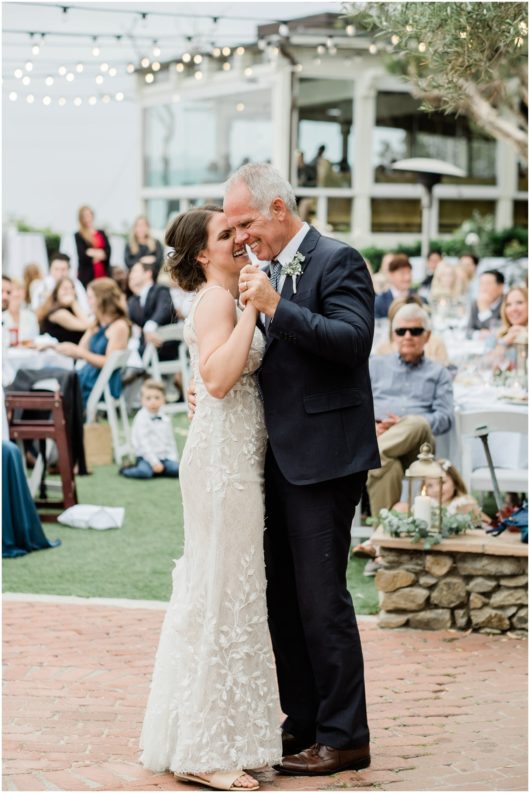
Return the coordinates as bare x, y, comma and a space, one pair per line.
280, 100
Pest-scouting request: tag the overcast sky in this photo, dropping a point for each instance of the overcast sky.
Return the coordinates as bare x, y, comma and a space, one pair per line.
57, 158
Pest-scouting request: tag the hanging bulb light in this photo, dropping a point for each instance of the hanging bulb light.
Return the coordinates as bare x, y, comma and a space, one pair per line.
70, 77
113, 71
156, 49
179, 67
28, 66
30, 99
197, 58
130, 68
104, 67
198, 75
321, 49
240, 51
144, 63
13, 96
100, 79
155, 66
149, 77
61, 101
26, 80
186, 57
120, 96
62, 70
105, 98
92, 100
226, 51
49, 80
216, 52
78, 101
95, 49
46, 100
372, 49
35, 49
248, 72
18, 73
79, 68
227, 66
350, 30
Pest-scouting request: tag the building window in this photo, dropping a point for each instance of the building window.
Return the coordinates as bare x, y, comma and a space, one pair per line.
522, 176
520, 213
200, 141
325, 133
402, 130
452, 213
396, 215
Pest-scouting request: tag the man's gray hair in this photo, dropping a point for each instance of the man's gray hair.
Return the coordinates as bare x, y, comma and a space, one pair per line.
264, 184
409, 312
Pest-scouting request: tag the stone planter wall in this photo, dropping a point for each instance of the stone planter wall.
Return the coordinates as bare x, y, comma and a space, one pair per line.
456, 584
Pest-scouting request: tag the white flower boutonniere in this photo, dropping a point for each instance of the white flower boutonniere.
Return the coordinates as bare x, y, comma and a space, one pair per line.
294, 267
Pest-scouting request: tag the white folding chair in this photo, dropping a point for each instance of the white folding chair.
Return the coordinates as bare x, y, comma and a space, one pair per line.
180, 365
115, 409
511, 480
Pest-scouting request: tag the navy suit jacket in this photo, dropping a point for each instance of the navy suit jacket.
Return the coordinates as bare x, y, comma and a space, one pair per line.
314, 376
159, 308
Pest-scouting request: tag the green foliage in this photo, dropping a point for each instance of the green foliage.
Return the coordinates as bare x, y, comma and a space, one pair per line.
399, 524
459, 57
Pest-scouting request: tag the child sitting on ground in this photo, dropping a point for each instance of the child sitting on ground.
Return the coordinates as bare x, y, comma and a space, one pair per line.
152, 437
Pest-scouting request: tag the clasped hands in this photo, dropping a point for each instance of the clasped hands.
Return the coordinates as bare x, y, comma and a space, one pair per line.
256, 288
386, 423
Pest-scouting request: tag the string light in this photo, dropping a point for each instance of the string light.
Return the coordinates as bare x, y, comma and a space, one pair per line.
395, 39
35, 49
119, 97
26, 80
186, 57
144, 63
100, 79
105, 99
61, 101
79, 68
149, 77
70, 77
92, 100
321, 49
227, 66
240, 51
198, 75
144, 17
240, 107
350, 30
130, 68
104, 67
463, 34
46, 100
156, 49
113, 71
13, 96
18, 73
28, 66
155, 66
226, 51
62, 70
179, 67
372, 49
30, 99
422, 46
49, 80
78, 101
409, 28
95, 49
197, 58
248, 72
216, 52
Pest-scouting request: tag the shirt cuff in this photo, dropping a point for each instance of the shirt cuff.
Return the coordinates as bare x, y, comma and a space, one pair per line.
150, 326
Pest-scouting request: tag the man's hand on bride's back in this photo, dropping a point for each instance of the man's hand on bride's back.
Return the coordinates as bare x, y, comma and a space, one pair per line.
192, 399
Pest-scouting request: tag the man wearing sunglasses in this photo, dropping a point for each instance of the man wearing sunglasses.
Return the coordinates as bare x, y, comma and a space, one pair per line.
413, 401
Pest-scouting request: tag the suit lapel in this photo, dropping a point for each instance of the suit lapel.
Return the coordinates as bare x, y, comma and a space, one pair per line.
306, 248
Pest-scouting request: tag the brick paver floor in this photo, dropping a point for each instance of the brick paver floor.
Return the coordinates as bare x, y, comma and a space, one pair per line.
447, 710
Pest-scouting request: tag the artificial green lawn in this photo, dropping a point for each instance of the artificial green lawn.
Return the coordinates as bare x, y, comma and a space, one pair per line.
134, 561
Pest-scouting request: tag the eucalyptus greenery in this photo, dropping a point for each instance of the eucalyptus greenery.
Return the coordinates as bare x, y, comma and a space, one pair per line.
400, 524
458, 57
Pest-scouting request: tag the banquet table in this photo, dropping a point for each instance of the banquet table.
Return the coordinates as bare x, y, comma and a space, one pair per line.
21, 248
29, 358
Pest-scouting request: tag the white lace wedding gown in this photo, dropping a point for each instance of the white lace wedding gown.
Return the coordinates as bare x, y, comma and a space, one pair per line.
213, 703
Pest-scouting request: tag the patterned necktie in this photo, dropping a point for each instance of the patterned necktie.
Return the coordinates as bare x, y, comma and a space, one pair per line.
276, 271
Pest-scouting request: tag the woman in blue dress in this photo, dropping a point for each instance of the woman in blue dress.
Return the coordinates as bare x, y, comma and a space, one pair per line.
109, 332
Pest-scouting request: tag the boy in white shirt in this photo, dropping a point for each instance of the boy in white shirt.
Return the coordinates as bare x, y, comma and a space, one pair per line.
152, 437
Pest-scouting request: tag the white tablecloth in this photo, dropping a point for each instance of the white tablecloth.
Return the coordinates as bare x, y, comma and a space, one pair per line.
25, 358
20, 249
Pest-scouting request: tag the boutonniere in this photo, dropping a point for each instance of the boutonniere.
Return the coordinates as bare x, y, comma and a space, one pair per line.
294, 268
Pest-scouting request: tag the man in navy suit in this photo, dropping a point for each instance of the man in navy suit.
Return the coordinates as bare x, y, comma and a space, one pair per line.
150, 306
318, 306
400, 277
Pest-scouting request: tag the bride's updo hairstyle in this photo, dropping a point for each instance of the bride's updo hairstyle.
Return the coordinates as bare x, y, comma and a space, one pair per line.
187, 235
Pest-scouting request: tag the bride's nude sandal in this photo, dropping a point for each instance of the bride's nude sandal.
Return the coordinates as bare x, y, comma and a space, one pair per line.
219, 780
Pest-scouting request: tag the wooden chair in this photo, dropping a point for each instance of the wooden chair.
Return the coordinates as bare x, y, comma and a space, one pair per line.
51, 428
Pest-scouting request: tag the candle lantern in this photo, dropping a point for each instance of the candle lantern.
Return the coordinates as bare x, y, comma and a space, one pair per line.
420, 507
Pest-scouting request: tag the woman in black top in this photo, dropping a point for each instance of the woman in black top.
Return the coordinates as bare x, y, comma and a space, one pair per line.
60, 315
143, 247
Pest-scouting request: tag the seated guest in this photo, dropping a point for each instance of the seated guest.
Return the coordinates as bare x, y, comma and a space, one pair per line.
19, 323
449, 283
486, 309
143, 247
435, 348
514, 316
93, 249
434, 257
60, 315
109, 332
6, 291
469, 263
32, 278
152, 437
413, 401
59, 269
380, 278
400, 280
149, 307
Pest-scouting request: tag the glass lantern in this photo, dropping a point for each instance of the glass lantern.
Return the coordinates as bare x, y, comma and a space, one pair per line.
421, 508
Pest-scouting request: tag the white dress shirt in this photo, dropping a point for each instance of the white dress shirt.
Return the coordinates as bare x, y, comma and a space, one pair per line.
287, 255
28, 326
152, 437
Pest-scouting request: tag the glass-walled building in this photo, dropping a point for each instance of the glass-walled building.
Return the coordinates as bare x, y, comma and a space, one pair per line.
320, 105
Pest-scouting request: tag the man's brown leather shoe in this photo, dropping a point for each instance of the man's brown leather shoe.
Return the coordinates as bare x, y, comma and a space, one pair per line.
291, 744
319, 760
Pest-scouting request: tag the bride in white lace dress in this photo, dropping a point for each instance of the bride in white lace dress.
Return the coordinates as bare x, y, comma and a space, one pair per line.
213, 705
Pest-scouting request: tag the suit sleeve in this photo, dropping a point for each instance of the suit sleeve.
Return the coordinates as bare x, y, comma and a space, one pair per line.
163, 313
343, 331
